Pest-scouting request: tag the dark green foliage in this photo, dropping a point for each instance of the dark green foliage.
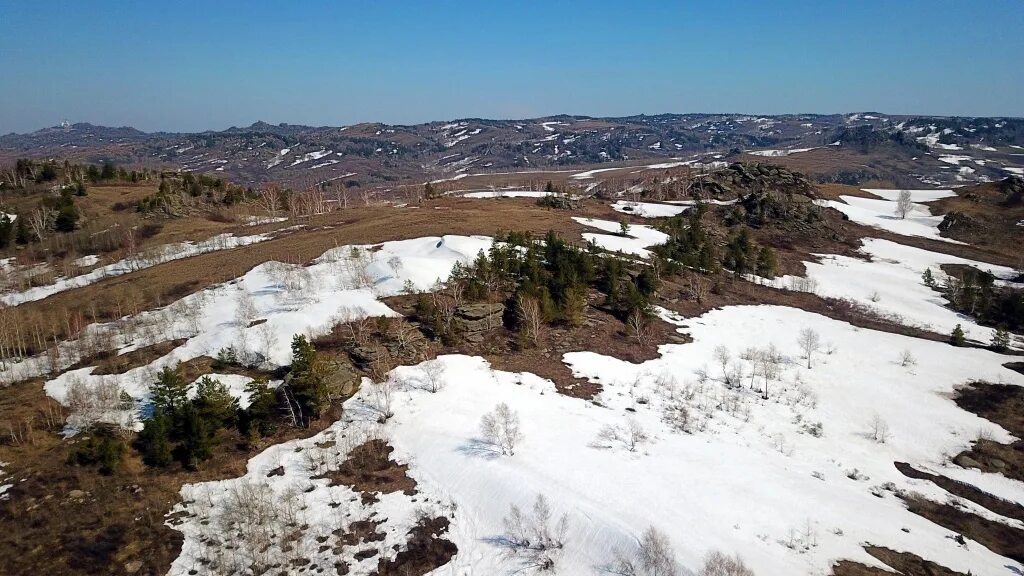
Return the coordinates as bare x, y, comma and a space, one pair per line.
928, 278
957, 337
306, 381
260, 417
689, 245
104, 447
170, 392
155, 440
196, 438
225, 357
1001, 339
215, 403
767, 263
6, 231
21, 232
973, 292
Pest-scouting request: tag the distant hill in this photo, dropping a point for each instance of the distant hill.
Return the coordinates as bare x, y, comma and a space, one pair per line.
382, 155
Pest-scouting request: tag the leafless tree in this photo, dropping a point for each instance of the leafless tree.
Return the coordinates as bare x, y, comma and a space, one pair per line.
533, 535
810, 342
654, 556
39, 221
631, 435
907, 359
245, 310
697, 286
879, 429
529, 317
433, 373
903, 204
719, 564
638, 324
383, 396
269, 200
723, 356
500, 428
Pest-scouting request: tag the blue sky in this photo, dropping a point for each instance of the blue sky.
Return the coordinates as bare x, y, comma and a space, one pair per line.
210, 65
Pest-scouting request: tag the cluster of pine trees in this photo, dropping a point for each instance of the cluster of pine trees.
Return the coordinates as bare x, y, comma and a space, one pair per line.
544, 281
187, 430
178, 191
690, 245
974, 292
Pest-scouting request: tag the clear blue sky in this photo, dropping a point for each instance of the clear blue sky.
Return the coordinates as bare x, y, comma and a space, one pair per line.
210, 65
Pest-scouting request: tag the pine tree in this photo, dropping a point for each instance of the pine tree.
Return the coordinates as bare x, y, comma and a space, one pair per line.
929, 279
215, 403
1001, 339
21, 232
6, 230
170, 392
767, 264
307, 379
196, 439
259, 418
957, 337
154, 440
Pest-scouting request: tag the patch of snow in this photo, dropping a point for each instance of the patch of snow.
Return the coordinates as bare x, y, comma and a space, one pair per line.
648, 209
638, 238
152, 257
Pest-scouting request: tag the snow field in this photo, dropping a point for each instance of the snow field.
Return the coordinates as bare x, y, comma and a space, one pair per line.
345, 283
648, 209
747, 477
891, 284
638, 238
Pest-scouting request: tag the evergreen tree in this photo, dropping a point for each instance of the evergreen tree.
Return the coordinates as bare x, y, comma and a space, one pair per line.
1001, 339
929, 280
196, 438
957, 337
214, 402
170, 392
307, 379
22, 235
107, 172
154, 440
259, 418
6, 230
767, 264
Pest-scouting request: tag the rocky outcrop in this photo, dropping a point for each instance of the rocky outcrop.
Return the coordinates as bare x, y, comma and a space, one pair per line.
958, 223
474, 320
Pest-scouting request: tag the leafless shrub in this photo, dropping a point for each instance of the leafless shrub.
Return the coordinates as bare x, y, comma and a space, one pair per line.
654, 556
719, 564
907, 359
433, 373
631, 435
810, 342
532, 536
500, 429
90, 404
879, 429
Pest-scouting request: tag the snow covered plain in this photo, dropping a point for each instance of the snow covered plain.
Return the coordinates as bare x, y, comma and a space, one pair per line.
891, 284
636, 241
882, 214
792, 482
743, 473
507, 194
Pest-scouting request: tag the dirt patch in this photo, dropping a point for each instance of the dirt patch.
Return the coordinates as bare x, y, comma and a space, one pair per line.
998, 537
369, 470
121, 363
425, 550
1004, 405
904, 563
966, 491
